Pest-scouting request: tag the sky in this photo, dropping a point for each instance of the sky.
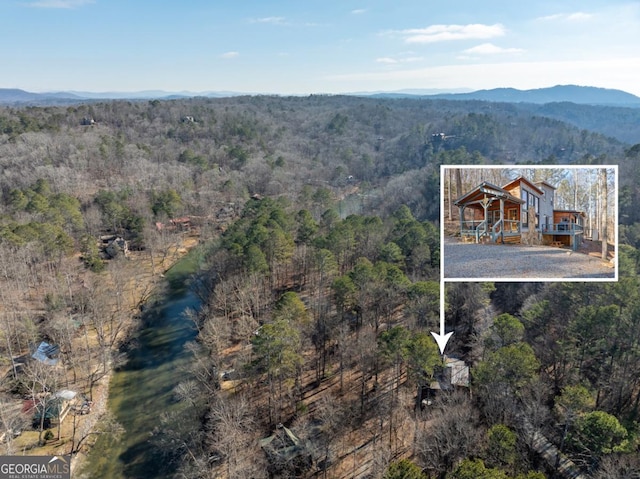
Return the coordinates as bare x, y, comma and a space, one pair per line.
309, 46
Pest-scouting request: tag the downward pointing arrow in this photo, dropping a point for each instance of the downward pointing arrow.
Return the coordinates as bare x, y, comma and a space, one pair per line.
442, 338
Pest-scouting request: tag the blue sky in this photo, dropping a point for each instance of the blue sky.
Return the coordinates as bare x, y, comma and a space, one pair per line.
309, 46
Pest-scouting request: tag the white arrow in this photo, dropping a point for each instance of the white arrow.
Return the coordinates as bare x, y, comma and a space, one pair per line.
442, 338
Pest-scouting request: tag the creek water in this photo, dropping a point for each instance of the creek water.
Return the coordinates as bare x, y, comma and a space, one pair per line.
141, 393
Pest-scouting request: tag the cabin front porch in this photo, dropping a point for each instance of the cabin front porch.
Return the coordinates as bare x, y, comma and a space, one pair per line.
495, 215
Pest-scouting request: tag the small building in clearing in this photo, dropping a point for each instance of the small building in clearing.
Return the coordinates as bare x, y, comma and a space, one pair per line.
54, 408
286, 451
452, 375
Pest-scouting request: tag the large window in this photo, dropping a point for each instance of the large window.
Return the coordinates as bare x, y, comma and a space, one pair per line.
530, 200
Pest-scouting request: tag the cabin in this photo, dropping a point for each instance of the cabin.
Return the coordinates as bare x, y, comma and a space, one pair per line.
452, 375
519, 210
182, 224
47, 353
286, 452
55, 409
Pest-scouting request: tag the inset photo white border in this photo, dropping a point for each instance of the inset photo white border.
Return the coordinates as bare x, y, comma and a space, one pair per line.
495, 241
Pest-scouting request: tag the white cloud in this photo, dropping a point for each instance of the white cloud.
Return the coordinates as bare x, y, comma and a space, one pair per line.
567, 17
393, 61
358, 11
60, 3
270, 20
444, 33
491, 49
579, 17
229, 55
550, 18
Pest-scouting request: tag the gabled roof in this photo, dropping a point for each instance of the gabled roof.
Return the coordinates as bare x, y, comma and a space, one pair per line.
546, 184
283, 443
522, 179
454, 373
488, 189
46, 353
52, 409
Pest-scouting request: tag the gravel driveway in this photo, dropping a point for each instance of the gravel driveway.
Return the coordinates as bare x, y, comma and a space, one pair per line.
492, 261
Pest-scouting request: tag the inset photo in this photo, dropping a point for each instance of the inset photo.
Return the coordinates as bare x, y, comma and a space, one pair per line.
529, 223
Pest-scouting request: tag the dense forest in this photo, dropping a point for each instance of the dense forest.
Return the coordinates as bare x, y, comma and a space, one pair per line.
318, 220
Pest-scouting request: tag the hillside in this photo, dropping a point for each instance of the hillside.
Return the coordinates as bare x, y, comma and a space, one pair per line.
613, 113
622, 123
320, 220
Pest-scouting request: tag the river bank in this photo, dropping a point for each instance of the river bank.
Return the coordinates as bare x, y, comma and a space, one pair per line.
141, 391
147, 279
127, 284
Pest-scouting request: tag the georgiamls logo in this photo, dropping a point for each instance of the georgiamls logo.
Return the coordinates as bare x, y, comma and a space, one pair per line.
35, 467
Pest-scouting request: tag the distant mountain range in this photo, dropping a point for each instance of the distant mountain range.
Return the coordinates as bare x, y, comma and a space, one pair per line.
581, 95
17, 97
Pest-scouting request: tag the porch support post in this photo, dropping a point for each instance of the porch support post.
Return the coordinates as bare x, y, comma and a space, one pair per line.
485, 207
461, 208
502, 219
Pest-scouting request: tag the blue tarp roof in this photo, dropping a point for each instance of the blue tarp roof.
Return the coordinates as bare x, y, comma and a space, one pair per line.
46, 353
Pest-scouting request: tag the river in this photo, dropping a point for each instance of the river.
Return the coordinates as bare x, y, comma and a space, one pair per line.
141, 393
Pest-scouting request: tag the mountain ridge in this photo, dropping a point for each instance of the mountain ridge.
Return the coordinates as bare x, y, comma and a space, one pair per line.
581, 95
613, 113
19, 97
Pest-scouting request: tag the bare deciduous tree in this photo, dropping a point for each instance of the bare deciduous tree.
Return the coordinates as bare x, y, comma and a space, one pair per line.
604, 213
231, 434
450, 434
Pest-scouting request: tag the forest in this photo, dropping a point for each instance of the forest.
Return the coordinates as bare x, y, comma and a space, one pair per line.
318, 223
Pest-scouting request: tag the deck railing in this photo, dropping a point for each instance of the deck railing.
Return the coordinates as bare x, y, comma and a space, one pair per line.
508, 226
505, 228
495, 230
471, 225
475, 228
512, 227
478, 228
562, 228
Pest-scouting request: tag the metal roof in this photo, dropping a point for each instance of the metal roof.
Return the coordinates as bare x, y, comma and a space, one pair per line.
489, 189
